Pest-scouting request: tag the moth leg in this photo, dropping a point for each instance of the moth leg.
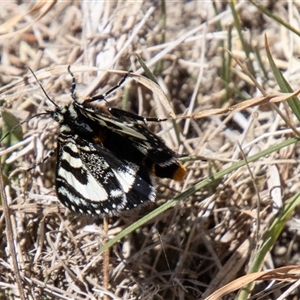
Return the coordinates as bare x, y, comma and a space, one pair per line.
118, 113
50, 154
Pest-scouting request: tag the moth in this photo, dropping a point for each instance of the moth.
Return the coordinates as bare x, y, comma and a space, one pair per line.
107, 158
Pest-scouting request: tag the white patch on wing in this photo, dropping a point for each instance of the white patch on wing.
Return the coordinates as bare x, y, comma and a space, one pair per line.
126, 177
93, 190
74, 161
75, 200
131, 131
117, 193
127, 128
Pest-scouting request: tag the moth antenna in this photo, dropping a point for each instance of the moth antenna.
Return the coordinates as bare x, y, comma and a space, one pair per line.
37, 115
43, 88
73, 87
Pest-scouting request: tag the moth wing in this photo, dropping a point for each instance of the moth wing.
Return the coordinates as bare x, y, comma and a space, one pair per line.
91, 179
159, 158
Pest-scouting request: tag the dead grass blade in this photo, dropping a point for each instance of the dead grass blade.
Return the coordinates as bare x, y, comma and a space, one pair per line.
288, 273
11, 237
156, 89
43, 7
274, 98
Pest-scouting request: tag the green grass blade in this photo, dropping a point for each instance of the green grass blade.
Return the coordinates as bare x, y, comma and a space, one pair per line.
283, 84
268, 13
269, 240
190, 191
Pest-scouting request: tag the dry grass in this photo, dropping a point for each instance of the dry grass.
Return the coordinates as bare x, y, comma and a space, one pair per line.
215, 234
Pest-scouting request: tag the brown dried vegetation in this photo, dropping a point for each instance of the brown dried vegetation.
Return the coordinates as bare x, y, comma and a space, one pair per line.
211, 237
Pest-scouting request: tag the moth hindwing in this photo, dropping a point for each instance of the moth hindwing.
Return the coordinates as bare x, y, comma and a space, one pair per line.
106, 159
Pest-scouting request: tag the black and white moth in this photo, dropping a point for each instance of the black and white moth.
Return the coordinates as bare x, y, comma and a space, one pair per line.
106, 159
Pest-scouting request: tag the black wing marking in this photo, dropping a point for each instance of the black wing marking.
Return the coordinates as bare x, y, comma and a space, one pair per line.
143, 145
91, 179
